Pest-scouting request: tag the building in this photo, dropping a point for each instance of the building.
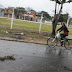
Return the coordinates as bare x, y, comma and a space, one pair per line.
30, 17
8, 12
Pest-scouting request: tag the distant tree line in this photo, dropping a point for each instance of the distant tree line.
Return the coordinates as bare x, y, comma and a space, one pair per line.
21, 10
46, 15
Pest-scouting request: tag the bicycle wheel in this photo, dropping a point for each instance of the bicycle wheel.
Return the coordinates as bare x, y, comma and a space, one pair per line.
51, 42
67, 43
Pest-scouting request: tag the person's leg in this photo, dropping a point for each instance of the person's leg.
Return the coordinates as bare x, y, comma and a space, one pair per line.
62, 38
63, 35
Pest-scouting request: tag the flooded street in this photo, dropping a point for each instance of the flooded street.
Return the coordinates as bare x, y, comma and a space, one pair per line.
34, 58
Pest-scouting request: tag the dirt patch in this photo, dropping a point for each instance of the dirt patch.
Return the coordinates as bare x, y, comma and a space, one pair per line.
27, 35
7, 58
30, 36
25, 31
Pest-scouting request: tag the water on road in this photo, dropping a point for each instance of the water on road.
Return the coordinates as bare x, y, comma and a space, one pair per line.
34, 58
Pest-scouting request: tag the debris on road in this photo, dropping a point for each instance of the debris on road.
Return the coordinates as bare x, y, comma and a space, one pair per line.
7, 58
66, 68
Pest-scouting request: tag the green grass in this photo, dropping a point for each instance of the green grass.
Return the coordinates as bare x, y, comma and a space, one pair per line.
19, 24
27, 25
24, 24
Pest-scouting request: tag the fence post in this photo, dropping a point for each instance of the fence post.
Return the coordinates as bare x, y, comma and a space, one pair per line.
40, 23
68, 21
12, 19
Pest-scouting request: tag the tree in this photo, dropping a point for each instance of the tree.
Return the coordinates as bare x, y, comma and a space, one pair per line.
56, 16
18, 11
45, 15
63, 17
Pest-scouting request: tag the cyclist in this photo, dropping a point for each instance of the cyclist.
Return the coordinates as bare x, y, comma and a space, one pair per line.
65, 30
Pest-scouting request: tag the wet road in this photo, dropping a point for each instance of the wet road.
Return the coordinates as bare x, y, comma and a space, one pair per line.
34, 58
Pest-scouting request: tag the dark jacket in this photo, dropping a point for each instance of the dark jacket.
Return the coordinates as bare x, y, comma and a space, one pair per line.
64, 28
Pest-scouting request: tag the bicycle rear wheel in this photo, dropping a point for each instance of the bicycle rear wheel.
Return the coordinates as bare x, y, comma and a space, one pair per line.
67, 44
51, 42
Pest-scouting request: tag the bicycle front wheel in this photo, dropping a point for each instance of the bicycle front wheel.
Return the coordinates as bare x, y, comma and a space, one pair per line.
51, 42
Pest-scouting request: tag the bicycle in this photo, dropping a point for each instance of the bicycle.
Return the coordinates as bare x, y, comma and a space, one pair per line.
56, 41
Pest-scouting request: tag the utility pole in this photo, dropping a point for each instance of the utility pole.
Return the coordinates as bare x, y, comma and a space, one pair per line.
40, 23
12, 18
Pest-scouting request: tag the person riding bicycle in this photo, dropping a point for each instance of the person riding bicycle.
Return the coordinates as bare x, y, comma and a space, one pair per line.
65, 30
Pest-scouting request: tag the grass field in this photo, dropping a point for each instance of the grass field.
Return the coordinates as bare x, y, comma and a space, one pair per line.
27, 25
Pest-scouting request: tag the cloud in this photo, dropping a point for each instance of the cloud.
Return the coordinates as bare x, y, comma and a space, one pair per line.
1, 6
37, 5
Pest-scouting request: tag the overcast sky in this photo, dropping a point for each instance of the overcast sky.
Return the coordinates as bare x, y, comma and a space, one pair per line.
37, 5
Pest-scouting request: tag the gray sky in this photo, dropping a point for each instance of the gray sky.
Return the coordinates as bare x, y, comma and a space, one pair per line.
37, 5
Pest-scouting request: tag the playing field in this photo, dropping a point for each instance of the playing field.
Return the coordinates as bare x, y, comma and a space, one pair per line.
27, 25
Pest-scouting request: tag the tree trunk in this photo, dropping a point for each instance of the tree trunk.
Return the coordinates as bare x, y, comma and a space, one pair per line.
55, 21
54, 24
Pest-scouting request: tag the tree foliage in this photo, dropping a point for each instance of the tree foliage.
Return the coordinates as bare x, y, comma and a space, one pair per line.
18, 11
45, 15
63, 17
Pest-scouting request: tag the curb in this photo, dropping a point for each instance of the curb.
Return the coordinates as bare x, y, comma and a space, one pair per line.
19, 40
